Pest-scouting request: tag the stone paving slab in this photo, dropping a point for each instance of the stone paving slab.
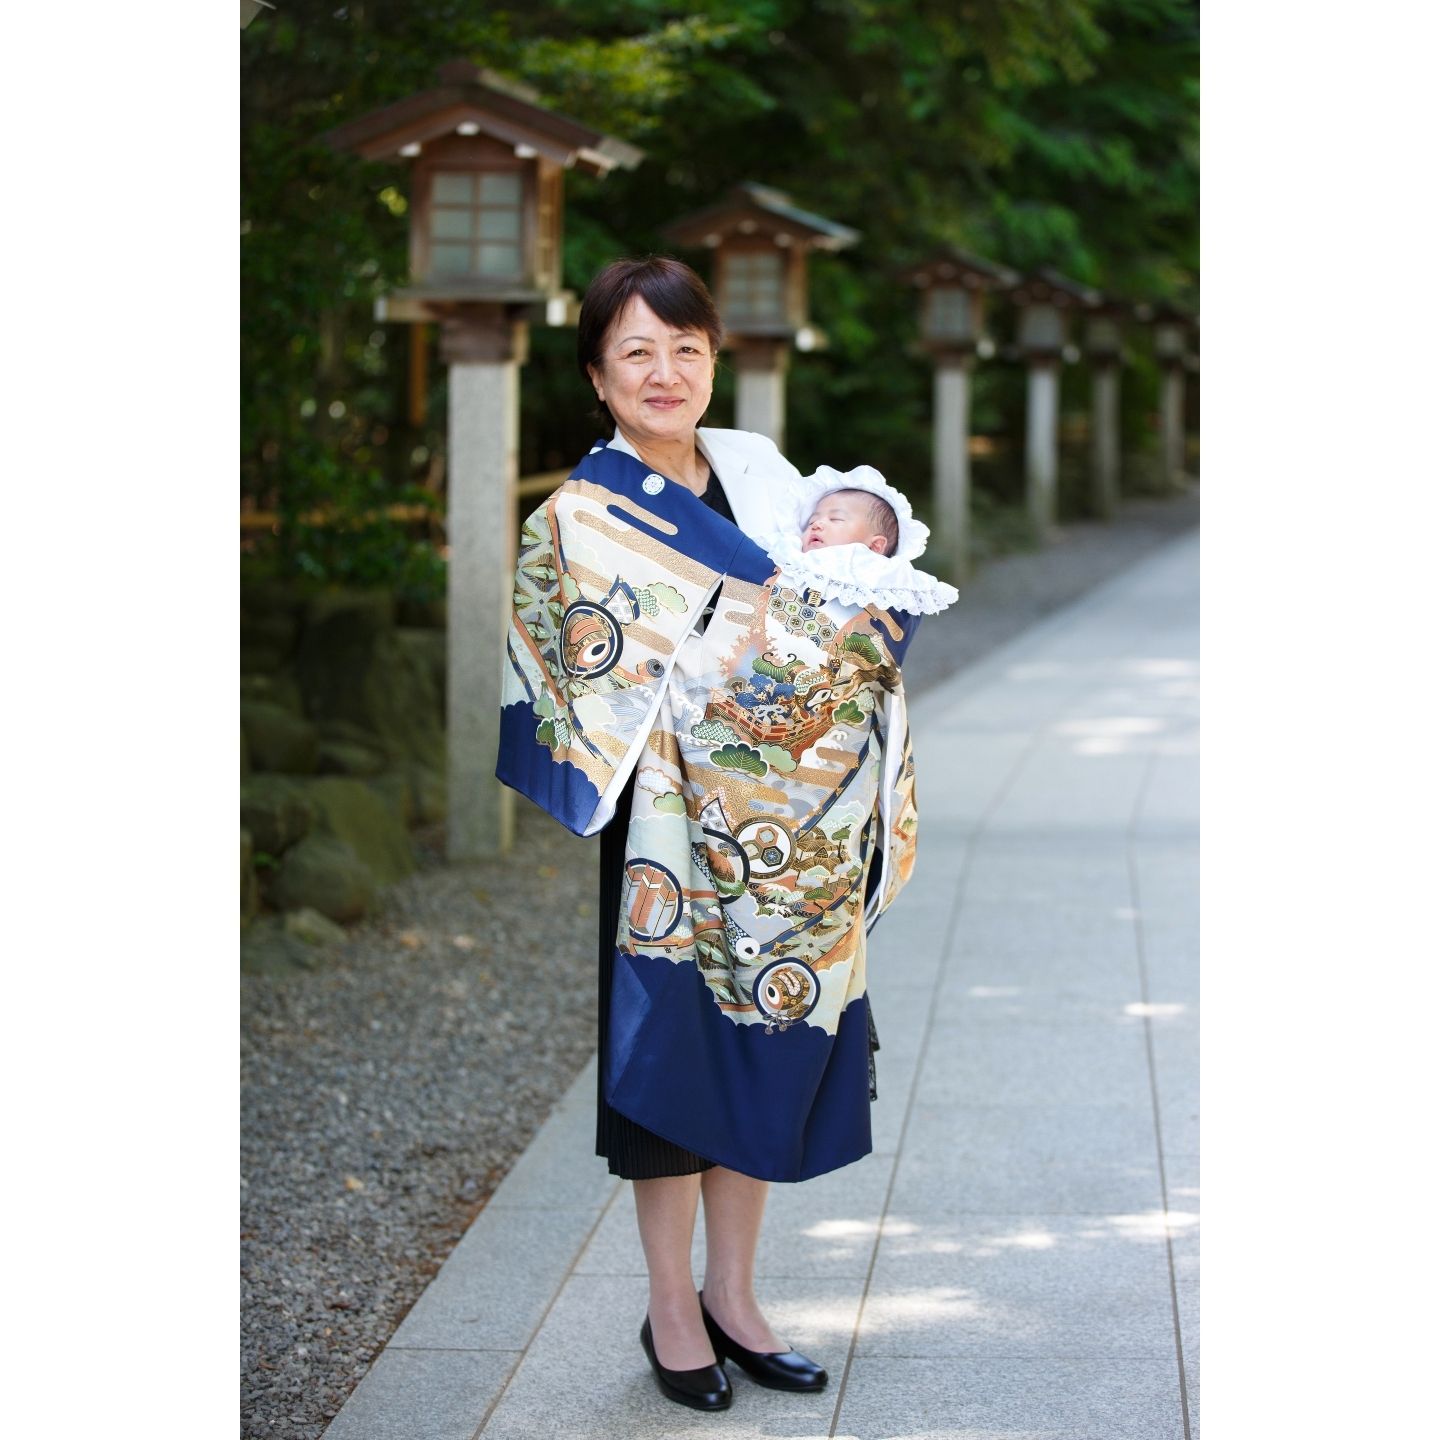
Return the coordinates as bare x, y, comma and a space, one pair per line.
423, 1394
494, 1289
991, 1398
1010, 1285
1022, 1159
1004, 1263
1040, 1059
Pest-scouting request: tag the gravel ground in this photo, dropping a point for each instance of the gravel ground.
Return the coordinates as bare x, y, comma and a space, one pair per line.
385, 1094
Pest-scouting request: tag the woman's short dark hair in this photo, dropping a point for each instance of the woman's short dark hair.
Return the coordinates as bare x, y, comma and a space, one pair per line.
668, 286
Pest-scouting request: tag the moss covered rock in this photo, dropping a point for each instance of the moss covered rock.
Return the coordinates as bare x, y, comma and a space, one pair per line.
325, 874
351, 810
277, 689
344, 757
276, 811
265, 949
313, 928
355, 669
279, 741
393, 788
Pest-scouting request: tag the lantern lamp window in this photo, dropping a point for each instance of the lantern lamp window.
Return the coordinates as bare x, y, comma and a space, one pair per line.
950, 314
1169, 341
754, 288
1103, 335
475, 225
1041, 327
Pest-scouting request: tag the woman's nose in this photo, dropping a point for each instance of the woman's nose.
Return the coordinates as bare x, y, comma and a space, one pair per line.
663, 372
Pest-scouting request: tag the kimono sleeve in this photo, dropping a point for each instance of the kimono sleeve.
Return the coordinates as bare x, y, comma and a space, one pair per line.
898, 820
594, 630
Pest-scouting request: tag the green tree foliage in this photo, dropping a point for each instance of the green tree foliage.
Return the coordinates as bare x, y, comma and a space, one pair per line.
1061, 132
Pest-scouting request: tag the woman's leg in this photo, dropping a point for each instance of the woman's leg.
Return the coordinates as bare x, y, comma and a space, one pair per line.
665, 1210
734, 1208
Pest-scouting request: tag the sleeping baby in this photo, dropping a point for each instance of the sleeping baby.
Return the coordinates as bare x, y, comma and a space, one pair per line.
854, 539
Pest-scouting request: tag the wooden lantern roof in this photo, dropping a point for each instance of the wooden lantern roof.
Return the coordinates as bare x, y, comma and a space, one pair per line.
1116, 307
949, 266
1162, 312
758, 211
478, 102
1047, 286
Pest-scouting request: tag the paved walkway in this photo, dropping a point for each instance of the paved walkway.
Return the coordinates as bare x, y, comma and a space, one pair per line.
1019, 1257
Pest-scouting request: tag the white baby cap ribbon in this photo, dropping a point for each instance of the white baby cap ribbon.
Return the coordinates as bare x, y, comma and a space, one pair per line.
914, 536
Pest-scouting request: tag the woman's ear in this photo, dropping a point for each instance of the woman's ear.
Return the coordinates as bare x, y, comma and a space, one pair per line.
593, 371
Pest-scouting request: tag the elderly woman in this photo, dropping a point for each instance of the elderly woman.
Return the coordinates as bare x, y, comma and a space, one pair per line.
743, 754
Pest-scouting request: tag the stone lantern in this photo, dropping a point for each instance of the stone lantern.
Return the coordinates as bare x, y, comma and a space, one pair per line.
487, 167
1046, 300
952, 289
762, 244
1105, 350
1171, 334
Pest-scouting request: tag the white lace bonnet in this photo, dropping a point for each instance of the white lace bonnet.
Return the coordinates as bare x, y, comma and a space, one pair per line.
851, 572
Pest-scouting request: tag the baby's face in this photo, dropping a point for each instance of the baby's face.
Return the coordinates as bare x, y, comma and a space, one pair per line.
841, 520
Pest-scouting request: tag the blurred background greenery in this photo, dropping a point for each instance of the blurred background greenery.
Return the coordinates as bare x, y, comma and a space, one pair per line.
1057, 132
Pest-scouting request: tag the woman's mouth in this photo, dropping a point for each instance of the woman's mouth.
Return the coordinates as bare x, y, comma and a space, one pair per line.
665, 402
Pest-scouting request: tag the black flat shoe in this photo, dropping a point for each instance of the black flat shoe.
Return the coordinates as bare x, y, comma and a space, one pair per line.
705, 1388
775, 1369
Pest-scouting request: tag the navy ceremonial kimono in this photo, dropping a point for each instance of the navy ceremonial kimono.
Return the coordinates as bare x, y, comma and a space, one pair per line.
773, 817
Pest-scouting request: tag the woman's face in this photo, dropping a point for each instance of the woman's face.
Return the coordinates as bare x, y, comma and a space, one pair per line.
655, 379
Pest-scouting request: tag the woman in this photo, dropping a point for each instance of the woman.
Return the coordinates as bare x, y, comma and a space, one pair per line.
634, 607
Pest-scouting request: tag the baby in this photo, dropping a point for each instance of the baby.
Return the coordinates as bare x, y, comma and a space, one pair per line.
854, 540
852, 517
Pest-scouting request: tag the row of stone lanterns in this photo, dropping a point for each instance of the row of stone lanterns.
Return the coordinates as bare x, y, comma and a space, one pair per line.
486, 201
953, 287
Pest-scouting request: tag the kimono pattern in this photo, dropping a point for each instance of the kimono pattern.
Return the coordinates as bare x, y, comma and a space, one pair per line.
773, 818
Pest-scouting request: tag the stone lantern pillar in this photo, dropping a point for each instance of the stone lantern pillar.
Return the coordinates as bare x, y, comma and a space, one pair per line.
1046, 299
762, 242
952, 289
1105, 350
1171, 333
487, 184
